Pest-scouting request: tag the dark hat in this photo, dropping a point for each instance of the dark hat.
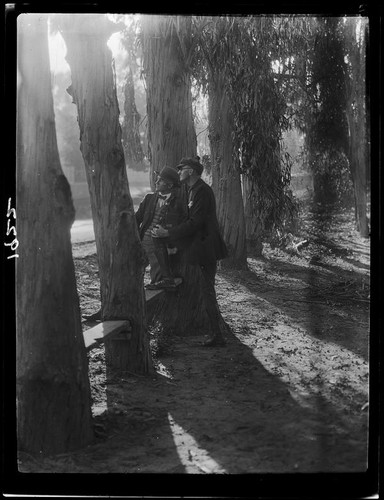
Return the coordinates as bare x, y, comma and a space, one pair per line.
192, 163
169, 174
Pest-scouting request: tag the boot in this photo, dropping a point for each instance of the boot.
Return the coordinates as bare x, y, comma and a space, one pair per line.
163, 284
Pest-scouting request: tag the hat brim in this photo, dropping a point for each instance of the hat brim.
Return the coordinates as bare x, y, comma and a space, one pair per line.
175, 182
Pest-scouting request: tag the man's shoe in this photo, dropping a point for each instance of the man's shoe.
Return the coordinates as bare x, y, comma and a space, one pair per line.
94, 317
216, 341
164, 284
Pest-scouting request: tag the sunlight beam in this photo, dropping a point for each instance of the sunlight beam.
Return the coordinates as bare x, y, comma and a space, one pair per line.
194, 458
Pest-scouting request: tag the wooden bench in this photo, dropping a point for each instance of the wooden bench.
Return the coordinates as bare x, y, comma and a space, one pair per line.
96, 335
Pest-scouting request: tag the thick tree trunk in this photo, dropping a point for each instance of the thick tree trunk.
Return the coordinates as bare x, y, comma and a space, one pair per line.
119, 251
226, 176
171, 136
171, 131
53, 394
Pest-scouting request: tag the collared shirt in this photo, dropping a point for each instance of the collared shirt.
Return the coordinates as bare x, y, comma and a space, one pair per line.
162, 198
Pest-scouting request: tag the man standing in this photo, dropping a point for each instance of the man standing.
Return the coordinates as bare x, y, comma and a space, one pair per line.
199, 237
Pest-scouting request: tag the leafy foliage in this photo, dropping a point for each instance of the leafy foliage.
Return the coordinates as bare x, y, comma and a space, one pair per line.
132, 132
326, 127
332, 177
241, 50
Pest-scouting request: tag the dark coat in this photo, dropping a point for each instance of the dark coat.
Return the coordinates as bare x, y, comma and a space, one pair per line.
199, 235
173, 211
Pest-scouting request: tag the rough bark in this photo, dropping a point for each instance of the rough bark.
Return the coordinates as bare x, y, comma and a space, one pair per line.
171, 132
253, 226
226, 176
119, 251
53, 394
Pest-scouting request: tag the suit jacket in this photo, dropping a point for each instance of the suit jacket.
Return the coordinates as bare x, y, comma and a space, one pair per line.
199, 235
173, 211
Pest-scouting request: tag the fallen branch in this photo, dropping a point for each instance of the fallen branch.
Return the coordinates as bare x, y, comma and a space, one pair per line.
301, 244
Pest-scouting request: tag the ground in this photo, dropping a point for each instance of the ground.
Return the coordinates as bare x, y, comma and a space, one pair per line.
288, 393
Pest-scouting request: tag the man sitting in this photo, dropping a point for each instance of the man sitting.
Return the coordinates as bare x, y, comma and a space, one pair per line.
163, 208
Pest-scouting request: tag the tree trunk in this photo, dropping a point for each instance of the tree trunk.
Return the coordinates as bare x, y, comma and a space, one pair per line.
131, 134
171, 136
171, 131
357, 122
121, 263
253, 225
53, 394
226, 176
358, 167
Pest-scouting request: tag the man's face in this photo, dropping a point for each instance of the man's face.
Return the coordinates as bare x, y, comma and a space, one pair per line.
185, 173
161, 186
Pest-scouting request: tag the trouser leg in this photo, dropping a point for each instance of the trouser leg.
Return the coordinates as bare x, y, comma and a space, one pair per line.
210, 300
161, 252
154, 266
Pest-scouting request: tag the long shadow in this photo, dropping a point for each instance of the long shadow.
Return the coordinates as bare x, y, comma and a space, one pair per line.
136, 425
247, 421
315, 306
295, 270
356, 263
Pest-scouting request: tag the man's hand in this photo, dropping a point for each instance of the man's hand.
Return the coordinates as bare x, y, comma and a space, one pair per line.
159, 232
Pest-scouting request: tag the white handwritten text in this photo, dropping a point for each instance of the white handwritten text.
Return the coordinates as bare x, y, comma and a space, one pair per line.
14, 244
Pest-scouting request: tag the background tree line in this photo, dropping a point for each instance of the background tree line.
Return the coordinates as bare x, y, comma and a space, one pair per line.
263, 76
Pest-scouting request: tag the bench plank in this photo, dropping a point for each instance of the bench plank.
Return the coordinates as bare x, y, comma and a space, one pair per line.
96, 335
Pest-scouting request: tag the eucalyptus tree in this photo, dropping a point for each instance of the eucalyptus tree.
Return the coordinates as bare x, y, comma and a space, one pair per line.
170, 127
238, 54
354, 32
53, 393
132, 119
326, 124
335, 112
133, 150
167, 51
210, 68
119, 251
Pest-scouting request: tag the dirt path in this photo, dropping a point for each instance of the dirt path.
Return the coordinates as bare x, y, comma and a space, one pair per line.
288, 393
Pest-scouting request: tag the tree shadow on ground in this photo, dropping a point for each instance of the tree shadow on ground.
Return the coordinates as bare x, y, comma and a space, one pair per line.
137, 426
223, 412
313, 299
252, 409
